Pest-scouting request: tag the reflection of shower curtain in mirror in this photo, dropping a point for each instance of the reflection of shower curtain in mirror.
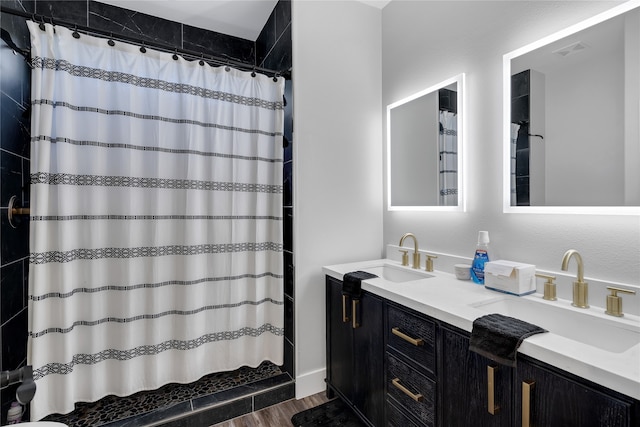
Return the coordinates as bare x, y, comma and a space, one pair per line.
448, 143
514, 140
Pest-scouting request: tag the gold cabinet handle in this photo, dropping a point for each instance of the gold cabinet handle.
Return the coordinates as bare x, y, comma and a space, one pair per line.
345, 318
491, 390
354, 313
527, 389
414, 341
417, 397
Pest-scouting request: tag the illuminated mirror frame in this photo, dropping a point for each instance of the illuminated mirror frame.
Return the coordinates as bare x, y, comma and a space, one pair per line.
506, 120
459, 81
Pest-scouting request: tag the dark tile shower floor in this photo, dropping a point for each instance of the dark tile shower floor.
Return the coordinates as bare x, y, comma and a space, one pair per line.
111, 409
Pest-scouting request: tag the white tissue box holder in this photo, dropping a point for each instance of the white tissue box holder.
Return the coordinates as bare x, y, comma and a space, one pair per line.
510, 277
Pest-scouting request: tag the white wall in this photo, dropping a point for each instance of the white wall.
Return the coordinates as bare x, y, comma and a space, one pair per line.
415, 132
425, 42
583, 134
632, 108
337, 160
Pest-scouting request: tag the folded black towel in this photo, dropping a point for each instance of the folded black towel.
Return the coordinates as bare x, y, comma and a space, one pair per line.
498, 337
351, 282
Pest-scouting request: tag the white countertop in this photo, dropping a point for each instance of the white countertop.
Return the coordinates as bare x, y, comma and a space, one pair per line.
452, 301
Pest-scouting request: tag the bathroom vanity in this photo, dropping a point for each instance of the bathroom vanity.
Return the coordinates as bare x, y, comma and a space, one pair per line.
400, 357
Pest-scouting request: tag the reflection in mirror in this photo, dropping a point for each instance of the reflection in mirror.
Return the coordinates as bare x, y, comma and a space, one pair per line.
424, 143
573, 136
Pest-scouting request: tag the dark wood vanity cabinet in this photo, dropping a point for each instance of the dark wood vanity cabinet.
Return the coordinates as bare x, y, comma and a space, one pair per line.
475, 391
355, 351
545, 396
401, 368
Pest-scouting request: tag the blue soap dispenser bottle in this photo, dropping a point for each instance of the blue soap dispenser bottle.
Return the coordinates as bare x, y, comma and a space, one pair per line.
481, 256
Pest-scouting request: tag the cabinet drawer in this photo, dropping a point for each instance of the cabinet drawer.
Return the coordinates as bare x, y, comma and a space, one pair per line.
415, 393
412, 336
396, 417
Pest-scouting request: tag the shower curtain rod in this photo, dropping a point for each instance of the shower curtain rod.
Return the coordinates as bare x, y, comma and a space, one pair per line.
185, 53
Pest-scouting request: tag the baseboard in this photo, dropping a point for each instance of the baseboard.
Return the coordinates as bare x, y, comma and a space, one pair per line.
311, 383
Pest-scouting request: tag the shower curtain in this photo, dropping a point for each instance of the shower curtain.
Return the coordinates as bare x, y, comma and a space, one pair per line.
448, 143
156, 219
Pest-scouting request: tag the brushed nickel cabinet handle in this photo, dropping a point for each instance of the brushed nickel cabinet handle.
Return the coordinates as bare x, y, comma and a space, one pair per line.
527, 389
354, 313
417, 397
345, 318
492, 407
414, 341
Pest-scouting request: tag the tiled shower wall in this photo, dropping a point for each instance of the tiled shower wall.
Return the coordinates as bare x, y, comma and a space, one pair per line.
272, 50
520, 114
14, 181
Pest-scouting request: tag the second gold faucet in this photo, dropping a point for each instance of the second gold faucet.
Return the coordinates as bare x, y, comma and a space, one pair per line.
416, 254
580, 287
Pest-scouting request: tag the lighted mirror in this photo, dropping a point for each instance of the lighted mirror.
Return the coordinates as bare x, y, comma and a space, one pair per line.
571, 137
424, 149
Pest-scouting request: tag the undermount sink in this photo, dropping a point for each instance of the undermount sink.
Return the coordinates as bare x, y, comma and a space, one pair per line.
594, 330
397, 274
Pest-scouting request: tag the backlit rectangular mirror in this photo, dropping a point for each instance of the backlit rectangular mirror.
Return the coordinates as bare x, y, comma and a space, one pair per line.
424, 149
572, 110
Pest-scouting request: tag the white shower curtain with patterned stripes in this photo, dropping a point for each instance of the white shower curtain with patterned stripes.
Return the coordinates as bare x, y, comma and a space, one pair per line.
448, 146
156, 219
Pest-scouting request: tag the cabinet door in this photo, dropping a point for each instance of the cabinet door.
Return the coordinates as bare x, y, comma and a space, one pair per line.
548, 398
466, 386
355, 351
339, 341
368, 361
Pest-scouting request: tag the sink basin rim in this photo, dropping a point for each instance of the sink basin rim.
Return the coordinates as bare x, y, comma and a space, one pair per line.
396, 273
592, 329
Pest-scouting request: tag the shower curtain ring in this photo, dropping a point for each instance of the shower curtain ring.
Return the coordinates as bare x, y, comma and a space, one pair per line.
110, 42
201, 59
175, 55
253, 73
53, 25
75, 33
143, 49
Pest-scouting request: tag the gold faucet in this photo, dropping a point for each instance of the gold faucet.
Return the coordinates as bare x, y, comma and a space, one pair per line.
580, 287
416, 254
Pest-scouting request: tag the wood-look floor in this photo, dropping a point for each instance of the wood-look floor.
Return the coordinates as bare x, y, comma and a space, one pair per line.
278, 415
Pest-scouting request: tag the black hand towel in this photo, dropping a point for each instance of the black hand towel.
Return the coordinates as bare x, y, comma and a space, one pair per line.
498, 337
351, 282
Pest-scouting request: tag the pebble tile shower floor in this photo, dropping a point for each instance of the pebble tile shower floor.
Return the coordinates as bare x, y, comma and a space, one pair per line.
112, 409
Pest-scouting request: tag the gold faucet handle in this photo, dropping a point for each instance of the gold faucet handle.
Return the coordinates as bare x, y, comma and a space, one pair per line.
405, 257
614, 302
549, 287
430, 258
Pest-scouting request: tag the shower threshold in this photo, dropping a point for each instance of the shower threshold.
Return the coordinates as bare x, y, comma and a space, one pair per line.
212, 399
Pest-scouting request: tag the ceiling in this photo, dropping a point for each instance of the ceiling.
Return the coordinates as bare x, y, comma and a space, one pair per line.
607, 36
240, 18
